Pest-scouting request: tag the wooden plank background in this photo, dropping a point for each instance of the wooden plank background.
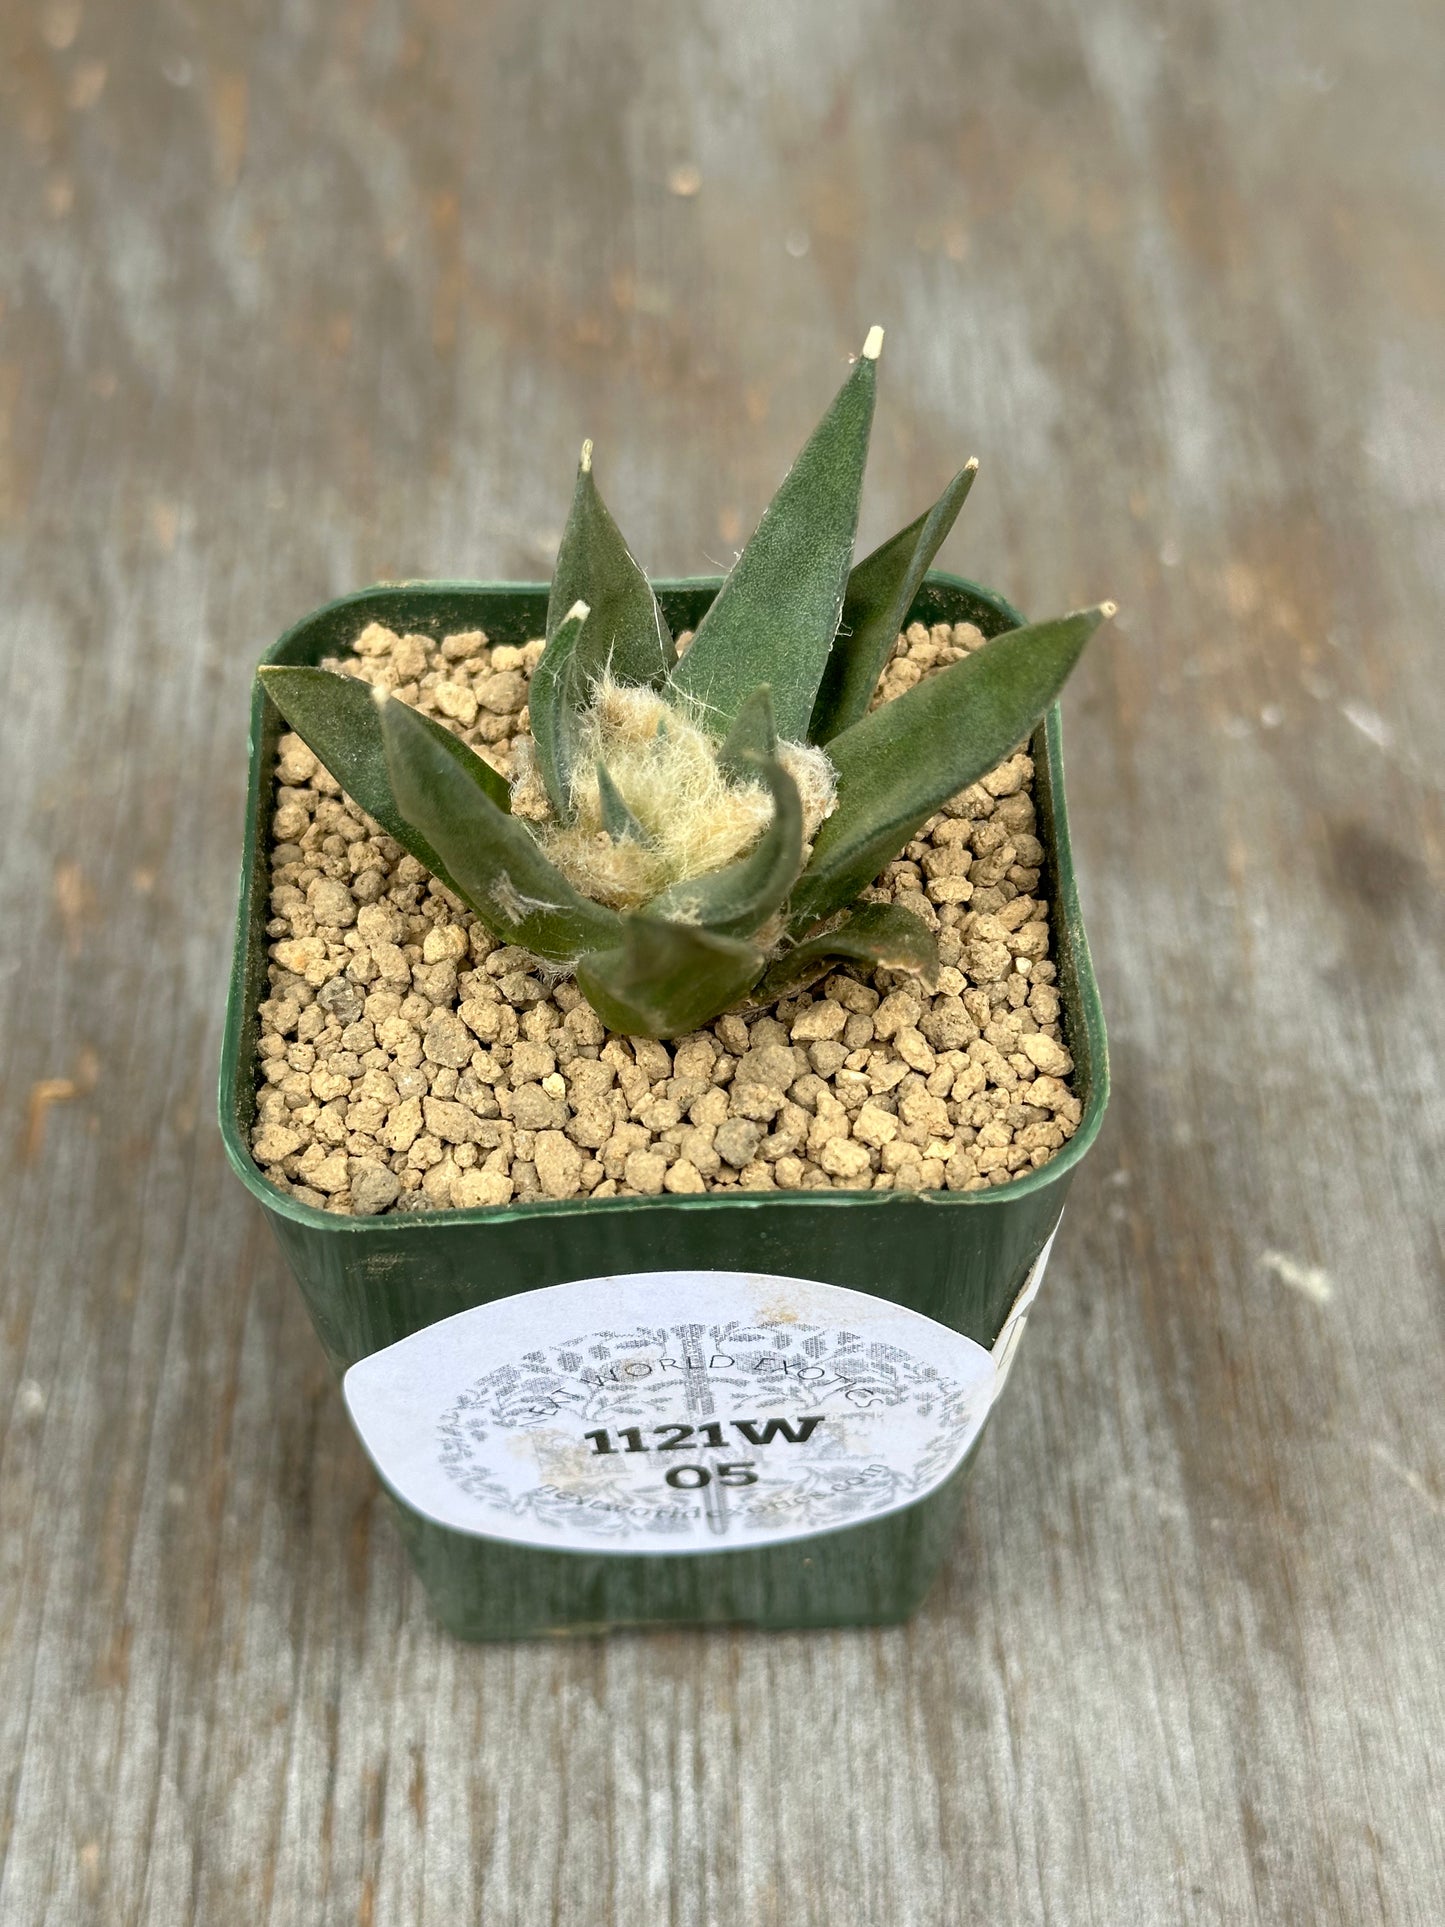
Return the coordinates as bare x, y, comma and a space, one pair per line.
293, 297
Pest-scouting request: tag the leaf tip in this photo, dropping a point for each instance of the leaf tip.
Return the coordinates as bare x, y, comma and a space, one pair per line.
580, 610
970, 467
585, 464
1108, 610
873, 345
381, 697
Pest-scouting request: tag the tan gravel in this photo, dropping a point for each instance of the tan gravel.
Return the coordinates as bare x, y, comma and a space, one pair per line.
407, 1061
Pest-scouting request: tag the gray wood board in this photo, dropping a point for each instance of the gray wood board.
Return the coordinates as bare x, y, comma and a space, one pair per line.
295, 297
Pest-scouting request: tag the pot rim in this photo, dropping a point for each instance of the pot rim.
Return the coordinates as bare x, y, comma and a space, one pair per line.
236, 1061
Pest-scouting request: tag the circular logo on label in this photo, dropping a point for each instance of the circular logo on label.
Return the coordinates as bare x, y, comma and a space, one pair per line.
671, 1412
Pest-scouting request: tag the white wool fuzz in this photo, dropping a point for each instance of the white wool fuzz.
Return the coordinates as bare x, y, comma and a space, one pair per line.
817, 783
696, 819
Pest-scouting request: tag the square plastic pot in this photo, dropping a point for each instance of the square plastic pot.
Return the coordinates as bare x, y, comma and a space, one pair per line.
959, 1258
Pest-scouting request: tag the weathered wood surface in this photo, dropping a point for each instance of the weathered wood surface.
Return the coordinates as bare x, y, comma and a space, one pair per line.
295, 297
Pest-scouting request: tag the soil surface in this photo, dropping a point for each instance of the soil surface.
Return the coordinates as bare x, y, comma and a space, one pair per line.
407, 1061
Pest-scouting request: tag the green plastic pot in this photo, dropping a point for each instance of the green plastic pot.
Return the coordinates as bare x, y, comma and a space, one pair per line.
960, 1258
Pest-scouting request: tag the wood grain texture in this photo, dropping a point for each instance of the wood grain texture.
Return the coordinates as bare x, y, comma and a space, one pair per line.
295, 297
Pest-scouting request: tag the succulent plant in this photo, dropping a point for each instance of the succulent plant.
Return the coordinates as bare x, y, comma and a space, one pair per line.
688, 831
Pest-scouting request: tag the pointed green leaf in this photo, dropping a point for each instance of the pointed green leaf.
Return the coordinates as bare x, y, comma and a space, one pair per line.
906, 758
492, 860
665, 979
737, 900
337, 719
775, 617
752, 734
617, 819
595, 566
625, 634
555, 701
880, 934
880, 594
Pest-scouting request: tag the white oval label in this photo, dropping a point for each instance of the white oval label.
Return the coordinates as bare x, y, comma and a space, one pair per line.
673, 1411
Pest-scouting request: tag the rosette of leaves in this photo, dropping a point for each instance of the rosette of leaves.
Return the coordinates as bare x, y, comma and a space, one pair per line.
689, 831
